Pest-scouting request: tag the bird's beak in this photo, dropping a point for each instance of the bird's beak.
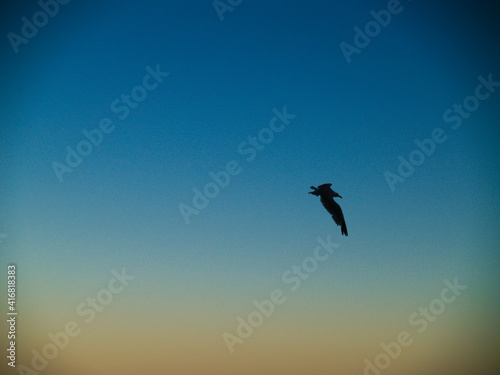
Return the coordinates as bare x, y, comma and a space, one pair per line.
340, 196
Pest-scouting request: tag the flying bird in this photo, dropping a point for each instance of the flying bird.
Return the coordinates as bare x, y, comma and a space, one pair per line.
326, 195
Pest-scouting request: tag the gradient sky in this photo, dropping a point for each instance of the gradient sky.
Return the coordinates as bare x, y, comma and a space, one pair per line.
120, 206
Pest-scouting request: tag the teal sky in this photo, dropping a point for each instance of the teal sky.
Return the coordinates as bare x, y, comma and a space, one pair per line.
120, 206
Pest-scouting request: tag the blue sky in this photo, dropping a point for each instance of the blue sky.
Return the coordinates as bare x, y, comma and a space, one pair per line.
120, 206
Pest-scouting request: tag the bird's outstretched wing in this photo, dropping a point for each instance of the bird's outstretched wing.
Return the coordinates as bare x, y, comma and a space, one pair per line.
334, 209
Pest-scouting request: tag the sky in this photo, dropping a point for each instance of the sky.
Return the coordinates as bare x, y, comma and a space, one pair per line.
155, 161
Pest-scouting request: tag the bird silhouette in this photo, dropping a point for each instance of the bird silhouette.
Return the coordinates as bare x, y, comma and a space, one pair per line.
326, 195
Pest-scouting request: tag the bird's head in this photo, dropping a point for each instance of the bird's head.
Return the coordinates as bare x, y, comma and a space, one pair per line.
315, 191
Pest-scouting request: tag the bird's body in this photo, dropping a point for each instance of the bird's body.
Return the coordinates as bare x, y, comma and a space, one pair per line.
326, 195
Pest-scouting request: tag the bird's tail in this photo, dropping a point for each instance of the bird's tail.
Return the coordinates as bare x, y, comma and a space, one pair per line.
343, 229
